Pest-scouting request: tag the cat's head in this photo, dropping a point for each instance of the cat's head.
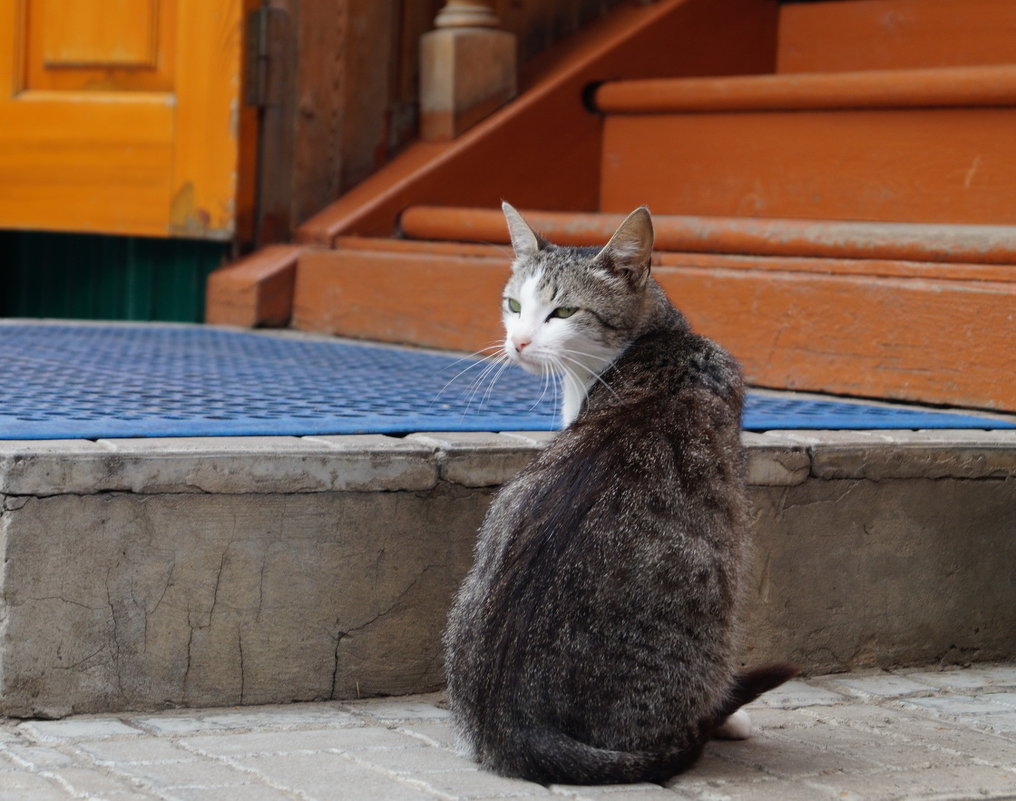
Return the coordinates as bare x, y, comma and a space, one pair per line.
572, 310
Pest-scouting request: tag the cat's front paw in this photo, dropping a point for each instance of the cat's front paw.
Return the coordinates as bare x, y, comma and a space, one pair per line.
736, 727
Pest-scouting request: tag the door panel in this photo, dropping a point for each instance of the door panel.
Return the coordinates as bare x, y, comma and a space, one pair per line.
112, 45
120, 116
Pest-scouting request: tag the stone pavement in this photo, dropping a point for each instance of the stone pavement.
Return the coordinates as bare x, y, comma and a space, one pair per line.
908, 734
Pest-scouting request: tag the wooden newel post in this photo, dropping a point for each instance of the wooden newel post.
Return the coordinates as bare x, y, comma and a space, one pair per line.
467, 69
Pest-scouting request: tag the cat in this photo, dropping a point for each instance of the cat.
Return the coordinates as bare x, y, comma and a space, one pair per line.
594, 639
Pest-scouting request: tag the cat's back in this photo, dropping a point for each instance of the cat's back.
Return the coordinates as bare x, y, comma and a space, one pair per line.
668, 409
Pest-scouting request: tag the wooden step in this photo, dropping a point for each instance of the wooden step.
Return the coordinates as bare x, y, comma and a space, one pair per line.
909, 331
973, 246
921, 146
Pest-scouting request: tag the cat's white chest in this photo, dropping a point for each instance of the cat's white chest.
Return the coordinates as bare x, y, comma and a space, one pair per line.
571, 402
573, 397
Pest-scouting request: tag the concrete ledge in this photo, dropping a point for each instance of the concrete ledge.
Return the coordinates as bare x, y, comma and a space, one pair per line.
216, 464
140, 574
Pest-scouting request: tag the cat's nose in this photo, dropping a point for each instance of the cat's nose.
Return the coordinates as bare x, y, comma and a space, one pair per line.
520, 344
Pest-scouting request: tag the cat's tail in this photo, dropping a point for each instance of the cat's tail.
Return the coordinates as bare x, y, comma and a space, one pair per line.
549, 756
749, 685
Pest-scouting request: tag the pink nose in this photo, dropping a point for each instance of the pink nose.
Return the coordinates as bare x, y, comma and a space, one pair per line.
520, 343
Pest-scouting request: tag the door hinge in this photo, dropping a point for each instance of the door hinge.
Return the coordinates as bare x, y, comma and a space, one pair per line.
265, 36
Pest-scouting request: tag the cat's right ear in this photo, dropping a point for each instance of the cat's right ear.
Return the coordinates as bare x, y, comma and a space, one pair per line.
525, 241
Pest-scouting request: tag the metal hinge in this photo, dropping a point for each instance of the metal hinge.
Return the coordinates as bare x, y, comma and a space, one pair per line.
265, 32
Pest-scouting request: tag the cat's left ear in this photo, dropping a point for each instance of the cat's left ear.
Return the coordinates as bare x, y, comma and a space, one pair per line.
629, 252
525, 241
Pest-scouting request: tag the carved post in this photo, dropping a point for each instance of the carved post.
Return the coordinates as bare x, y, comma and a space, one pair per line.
467, 69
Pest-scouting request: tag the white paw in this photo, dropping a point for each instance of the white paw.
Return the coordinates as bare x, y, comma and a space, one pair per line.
736, 727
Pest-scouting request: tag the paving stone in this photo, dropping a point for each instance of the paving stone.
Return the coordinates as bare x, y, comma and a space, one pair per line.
1007, 699
80, 728
861, 745
765, 790
320, 776
617, 792
1004, 723
969, 678
409, 708
474, 784
21, 786
794, 759
946, 737
439, 733
713, 768
279, 716
412, 761
199, 773
878, 747
244, 792
37, 757
764, 718
796, 694
963, 781
957, 705
883, 685
142, 749
132, 795
282, 742
88, 781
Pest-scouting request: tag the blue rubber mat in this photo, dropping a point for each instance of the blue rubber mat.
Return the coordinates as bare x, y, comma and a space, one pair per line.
91, 381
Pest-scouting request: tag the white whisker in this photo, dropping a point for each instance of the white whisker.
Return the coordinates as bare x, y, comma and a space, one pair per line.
482, 357
495, 367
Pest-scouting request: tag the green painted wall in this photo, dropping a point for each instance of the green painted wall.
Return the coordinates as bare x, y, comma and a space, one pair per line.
96, 277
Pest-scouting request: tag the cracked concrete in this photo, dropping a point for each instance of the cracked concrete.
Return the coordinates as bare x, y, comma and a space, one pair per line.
290, 576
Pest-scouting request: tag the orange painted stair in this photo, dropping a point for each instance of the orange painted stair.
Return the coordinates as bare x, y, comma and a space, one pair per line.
980, 244
935, 331
844, 222
923, 145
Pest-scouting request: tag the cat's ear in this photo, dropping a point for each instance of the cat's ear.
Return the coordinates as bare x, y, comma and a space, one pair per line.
525, 240
629, 252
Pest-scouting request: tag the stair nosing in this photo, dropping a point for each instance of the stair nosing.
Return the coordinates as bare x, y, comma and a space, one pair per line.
939, 87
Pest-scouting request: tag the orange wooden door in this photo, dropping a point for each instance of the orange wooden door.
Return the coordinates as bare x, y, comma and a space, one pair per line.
120, 116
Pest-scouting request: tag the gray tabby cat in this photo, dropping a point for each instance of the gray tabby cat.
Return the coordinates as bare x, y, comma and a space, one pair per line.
594, 640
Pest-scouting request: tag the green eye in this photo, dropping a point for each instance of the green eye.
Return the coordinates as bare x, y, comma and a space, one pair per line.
513, 305
564, 311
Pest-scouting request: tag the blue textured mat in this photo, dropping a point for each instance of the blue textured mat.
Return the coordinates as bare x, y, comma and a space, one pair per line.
90, 381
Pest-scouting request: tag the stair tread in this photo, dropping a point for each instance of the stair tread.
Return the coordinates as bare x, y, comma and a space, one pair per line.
929, 87
954, 244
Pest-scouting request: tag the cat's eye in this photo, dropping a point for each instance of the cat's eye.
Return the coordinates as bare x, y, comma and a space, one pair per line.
564, 312
513, 305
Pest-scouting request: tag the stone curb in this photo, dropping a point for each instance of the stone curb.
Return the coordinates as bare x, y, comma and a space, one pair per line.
226, 465
235, 465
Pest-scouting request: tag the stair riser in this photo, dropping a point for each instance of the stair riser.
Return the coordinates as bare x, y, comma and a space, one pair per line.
913, 165
909, 339
434, 301
895, 34
932, 341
